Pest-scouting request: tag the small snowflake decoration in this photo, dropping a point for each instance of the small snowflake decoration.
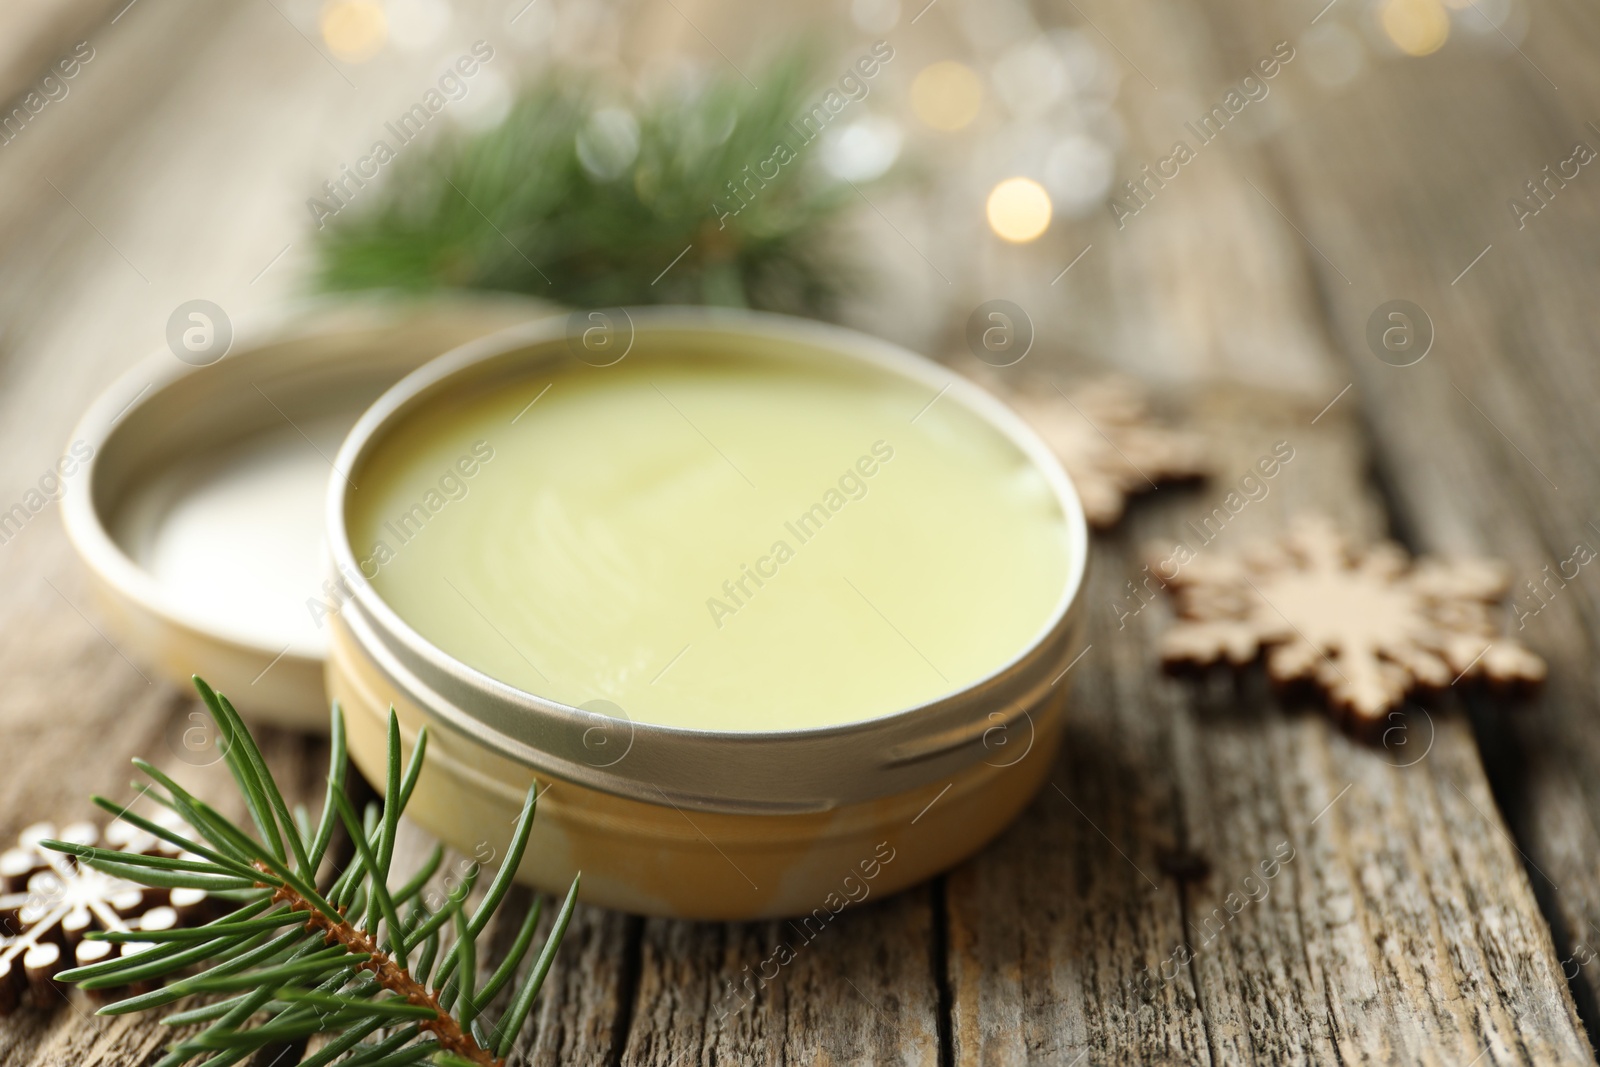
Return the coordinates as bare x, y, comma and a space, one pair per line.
1107, 439
1367, 626
48, 902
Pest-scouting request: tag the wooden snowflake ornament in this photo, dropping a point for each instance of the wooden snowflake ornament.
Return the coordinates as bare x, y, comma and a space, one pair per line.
48, 902
1105, 436
1367, 626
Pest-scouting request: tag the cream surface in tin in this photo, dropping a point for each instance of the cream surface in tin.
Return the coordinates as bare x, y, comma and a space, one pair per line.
713, 542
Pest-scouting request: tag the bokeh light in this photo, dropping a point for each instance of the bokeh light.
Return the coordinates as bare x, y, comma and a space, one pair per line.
1334, 55
1019, 210
946, 95
863, 150
486, 105
608, 143
1417, 27
417, 25
1505, 21
875, 16
1078, 171
354, 30
1030, 77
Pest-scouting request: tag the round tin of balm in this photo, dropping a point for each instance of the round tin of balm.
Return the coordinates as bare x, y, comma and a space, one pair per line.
199, 507
773, 611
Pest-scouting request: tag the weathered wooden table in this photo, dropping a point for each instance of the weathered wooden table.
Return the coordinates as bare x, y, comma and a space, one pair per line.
1444, 890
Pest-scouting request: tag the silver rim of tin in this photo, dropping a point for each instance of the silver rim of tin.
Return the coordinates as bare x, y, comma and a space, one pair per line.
790, 771
314, 320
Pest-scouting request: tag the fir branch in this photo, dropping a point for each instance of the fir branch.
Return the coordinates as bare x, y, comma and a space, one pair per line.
586, 198
343, 967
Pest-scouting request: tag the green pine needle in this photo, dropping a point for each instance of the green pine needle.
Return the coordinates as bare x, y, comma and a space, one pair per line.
586, 197
341, 968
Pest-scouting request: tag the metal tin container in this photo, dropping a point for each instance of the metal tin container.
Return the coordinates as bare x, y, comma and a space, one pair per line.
700, 823
170, 430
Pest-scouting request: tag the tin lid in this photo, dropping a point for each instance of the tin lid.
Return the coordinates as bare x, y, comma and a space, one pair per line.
198, 502
788, 771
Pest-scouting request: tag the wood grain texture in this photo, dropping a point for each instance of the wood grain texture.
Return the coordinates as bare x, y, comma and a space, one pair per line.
1091, 929
860, 990
1373, 945
1484, 446
1407, 926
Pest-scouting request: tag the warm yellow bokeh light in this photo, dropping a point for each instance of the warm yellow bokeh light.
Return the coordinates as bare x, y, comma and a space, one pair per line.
354, 29
946, 95
1019, 209
1417, 27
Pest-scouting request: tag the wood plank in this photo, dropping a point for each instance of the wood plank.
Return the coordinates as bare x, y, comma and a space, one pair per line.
862, 990
1485, 444
1405, 927
585, 996
1372, 944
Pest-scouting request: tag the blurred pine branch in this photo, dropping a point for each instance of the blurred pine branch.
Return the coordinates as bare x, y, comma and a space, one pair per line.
578, 199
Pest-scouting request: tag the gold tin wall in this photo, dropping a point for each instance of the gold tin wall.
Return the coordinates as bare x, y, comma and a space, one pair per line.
699, 823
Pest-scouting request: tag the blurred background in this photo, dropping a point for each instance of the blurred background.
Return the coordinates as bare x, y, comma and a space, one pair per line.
187, 157
184, 159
